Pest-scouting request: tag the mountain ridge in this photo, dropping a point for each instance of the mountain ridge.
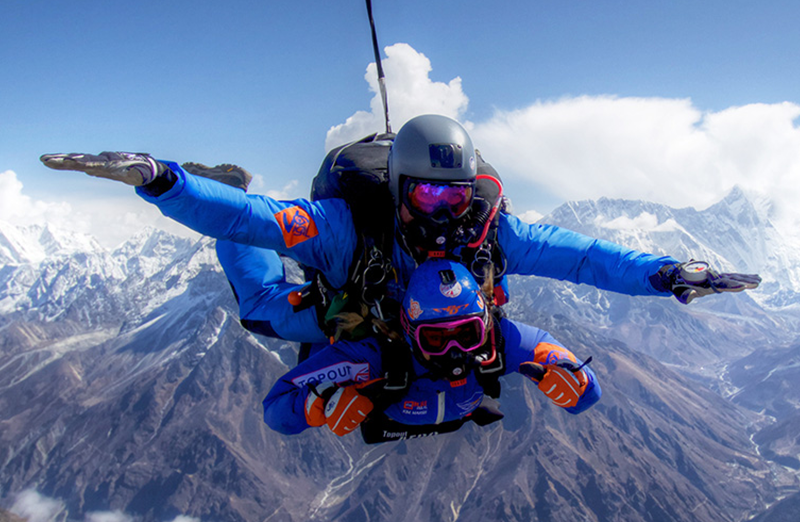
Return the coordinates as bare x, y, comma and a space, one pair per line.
127, 385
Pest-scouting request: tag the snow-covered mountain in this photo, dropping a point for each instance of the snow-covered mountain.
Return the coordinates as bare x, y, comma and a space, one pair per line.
35, 243
736, 234
128, 386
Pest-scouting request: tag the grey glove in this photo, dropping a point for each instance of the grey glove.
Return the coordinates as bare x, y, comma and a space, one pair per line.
695, 279
135, 169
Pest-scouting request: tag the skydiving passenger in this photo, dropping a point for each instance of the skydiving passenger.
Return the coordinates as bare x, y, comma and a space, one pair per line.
453, 343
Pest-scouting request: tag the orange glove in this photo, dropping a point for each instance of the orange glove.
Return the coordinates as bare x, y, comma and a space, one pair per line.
560, 382
315, 404
557, 373
346, 409
342, 409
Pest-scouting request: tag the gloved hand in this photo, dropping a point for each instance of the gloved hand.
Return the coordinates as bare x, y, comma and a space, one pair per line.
342, 409
135, 169
695, 279
563, 382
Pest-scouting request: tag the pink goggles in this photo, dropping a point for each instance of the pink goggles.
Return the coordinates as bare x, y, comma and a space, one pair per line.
430, 198
437, 338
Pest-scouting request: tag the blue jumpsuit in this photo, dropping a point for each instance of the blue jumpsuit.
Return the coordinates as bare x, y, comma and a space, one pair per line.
321, 235
427, 401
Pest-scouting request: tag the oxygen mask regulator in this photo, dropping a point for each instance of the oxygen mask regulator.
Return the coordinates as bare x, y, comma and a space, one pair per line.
452, 366
472, 228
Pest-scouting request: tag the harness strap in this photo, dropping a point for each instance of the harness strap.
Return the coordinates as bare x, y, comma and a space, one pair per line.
380, 428
398, 372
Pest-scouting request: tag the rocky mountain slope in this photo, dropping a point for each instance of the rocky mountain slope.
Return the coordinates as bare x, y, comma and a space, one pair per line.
128, 386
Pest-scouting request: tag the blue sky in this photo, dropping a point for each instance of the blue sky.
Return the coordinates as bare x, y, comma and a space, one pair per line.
570, 99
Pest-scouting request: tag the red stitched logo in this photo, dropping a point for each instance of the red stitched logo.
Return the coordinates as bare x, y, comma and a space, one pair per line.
296, 225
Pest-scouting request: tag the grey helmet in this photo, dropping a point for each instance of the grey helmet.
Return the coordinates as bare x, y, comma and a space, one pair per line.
430, 147
432, 174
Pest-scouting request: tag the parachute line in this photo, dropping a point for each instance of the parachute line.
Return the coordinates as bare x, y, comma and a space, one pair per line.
381, 77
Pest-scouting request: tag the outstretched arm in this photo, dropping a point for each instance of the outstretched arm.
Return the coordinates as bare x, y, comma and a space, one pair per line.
558, 253
693, 279
317, 234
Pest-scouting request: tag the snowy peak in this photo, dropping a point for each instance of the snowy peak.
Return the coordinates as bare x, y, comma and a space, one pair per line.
57, 241
50, 273
16, 247
736, 234
35, 243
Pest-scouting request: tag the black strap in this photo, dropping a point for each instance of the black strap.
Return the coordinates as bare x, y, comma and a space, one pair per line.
380, 428
398, 372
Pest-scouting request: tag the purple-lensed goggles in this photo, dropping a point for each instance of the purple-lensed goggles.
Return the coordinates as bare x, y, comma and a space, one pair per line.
437, 338
450, 200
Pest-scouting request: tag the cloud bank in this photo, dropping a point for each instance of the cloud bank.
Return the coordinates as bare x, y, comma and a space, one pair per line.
661, 150
587, 147
110, 221
17, 208
584, 147
34, 507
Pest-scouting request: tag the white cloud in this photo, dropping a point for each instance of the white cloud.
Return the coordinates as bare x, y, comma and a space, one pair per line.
586, 147
288, 191
35, 507
114, 220
661, 150
644, 221
119, 516
111, 220
17, 208
108, 516
530, 216
410, 90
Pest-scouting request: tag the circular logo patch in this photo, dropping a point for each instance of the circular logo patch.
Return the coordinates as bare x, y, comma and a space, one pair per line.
450, 290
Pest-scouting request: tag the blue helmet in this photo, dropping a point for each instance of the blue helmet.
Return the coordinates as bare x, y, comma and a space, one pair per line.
445, 316
441, 289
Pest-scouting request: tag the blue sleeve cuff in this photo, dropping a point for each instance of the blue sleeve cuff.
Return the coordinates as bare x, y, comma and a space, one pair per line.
176, 189
590, 396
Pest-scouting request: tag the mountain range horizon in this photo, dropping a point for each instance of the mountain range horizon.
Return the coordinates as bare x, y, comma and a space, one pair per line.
128, 387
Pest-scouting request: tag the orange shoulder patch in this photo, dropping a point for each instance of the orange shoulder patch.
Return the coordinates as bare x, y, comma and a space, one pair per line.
296, 225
